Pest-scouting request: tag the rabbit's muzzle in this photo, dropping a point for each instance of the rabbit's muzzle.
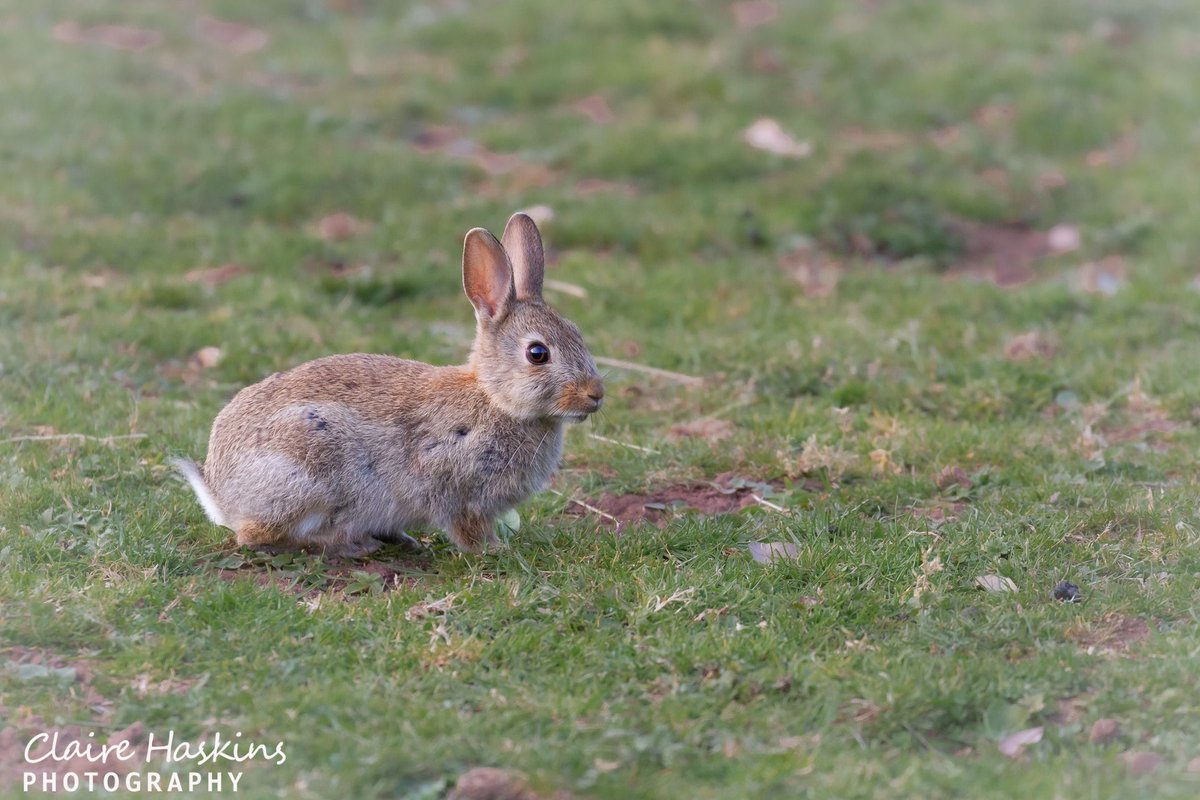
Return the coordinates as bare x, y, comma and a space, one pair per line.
581, 399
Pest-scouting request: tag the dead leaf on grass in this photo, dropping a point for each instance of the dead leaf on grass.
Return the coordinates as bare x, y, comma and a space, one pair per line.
1106, 277
1012, 744
995, 583
118, 37
769, 552
206, 357
540, 214
817, 273
490, 783
1027, 346
1116, 154
101, 279
232, 36
215, 276
1063, 238
994, 115
339, 226
595, 108
768, 135
953, 476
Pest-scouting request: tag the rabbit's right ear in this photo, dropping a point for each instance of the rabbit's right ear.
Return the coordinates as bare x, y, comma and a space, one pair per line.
523, 243
487, 275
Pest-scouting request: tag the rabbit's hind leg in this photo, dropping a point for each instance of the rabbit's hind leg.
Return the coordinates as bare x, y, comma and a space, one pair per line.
472, 532
266, 537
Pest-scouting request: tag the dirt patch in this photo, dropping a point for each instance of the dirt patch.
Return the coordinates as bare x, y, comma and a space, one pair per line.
337, 578
118, 37
491, 783
724, 495
709, 429
1112, 634
1002, 254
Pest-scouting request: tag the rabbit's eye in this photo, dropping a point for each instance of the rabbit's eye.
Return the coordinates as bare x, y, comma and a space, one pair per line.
537, 353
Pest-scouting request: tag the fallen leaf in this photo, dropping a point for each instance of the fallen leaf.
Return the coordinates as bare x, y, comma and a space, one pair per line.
1141, 762
207, 357
540, 214
1012, 744
953, 476
1027, 346
994, 115
489, 783
767, 134
1064, 238
215, 276
119, 37
231, 36
595, 108
816, 273
565, 288
1105, 277
1050, 179
995, 583
1104, 730
339, 226
753, 13
768, 552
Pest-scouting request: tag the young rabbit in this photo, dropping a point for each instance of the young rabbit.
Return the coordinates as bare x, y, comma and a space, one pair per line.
344, 452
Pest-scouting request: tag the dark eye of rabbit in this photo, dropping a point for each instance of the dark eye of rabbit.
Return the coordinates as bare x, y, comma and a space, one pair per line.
537, 353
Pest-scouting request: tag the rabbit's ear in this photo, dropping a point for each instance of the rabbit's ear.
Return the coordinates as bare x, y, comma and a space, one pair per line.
524, 246
487, 276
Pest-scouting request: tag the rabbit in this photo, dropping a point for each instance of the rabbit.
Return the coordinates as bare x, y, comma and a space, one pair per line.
344, 453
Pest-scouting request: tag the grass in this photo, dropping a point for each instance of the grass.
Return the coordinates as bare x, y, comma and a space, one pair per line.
654, 663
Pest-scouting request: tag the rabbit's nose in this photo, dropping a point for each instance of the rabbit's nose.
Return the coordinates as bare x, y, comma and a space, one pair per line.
595, 392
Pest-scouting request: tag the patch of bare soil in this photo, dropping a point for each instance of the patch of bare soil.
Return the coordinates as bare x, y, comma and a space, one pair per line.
340, 578
723, 495
1112, 634
1002, 254
118, 37
491, 783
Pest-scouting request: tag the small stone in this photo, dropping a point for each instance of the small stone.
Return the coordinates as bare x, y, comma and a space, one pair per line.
1141, 762
1067, 592
1104, 731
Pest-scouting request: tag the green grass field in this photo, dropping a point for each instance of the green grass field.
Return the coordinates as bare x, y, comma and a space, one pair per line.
955, 333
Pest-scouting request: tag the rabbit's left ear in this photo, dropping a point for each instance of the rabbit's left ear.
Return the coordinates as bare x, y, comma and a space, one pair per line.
523, 244
487, 276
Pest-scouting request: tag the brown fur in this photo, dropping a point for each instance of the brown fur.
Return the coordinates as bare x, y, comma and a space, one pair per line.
338, 452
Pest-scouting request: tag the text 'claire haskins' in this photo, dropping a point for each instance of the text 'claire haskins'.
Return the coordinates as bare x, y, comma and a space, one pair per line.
45, 749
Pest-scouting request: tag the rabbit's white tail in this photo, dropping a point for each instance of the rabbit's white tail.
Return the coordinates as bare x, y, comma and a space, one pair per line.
191, 471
